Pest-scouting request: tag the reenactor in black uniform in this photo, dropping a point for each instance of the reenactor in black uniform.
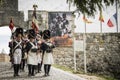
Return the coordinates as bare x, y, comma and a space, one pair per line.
31, 49
47, 48
24, 54
17, 50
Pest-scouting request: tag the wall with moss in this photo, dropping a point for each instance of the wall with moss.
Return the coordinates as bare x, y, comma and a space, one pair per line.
103, 54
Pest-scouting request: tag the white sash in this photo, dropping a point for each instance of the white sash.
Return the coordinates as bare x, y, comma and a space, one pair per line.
18, 44
33, 45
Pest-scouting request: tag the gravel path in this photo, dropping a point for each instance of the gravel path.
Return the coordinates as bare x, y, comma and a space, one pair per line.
6, 73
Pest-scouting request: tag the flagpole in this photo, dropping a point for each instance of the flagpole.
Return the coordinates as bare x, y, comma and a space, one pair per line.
100, 27
74, 54
85, 68
117, 15
75, 63
11, 26
101, 20
69, 5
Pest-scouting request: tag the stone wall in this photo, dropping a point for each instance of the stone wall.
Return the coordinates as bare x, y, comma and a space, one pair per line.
64, 56
17, 16
8, 10
4, 58
6, 5
103, 54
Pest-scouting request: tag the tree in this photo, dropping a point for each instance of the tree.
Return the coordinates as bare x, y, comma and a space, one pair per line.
1, 2
90, 7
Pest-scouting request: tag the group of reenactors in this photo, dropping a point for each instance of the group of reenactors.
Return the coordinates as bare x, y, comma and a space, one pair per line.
33, 49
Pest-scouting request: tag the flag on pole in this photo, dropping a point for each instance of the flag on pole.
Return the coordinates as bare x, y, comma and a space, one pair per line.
101, 17
112, 21
86, 20
35, 22
11, 25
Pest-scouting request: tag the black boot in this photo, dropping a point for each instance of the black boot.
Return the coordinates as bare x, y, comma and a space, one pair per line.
15, 70
23, 66
33, 70
39, 67
29, 70
18, 67
45, 70
49, 66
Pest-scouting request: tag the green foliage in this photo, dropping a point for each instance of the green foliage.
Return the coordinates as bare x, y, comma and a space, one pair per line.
63, 68
107, 77
90, 7
2, 2
100, 77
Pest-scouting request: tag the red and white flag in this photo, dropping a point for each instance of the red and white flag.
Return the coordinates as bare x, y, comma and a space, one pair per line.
35, 22
112, 21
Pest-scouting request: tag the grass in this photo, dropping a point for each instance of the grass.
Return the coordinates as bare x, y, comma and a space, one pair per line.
108, 77
63, 68
82, 74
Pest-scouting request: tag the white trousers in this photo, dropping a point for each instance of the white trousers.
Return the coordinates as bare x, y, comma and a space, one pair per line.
48, 58
17, 56
32, 58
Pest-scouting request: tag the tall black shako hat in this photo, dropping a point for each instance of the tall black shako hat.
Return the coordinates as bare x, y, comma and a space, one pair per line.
31, 33
18, 31
46, 34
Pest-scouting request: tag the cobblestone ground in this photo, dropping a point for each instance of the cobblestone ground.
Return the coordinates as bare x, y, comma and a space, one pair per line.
6, 73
